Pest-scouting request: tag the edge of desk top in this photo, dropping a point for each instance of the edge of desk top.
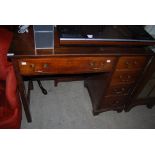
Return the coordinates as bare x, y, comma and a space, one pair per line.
23, 45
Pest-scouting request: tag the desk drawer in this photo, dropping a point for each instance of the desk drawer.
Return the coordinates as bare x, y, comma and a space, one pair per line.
119, 90
131, 62
65, 65
112, 102
125, 77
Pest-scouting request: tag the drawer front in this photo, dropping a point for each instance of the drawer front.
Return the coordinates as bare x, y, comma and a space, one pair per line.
124, 77
61, 65
119, 90
113, 102
128, 63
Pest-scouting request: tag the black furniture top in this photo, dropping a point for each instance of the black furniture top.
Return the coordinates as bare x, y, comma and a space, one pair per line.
104, 33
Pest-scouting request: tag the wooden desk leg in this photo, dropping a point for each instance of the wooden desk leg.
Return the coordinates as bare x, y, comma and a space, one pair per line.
22, 91
30, 87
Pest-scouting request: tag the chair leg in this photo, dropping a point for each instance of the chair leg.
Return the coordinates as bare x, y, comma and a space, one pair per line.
44, 91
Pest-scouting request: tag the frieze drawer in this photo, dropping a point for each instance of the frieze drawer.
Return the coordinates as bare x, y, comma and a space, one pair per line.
66, 65
131, 62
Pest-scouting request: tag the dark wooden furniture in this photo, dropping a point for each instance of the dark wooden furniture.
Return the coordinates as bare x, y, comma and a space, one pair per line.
111, 67
145, 91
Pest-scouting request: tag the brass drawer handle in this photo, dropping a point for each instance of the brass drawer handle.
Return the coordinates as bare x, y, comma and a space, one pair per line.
92, 64
119, 92
42, 72
127, 63
125, 80
45, 65
96, 68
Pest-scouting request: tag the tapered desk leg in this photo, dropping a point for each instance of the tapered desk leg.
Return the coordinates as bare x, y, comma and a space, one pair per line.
22, 90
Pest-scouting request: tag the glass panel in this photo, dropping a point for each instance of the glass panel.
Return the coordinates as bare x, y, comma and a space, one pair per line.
44, 40
44, 36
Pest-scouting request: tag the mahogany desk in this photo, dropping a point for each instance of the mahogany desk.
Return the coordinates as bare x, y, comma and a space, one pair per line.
111, 69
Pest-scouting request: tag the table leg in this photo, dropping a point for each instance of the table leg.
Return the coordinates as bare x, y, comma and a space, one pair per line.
22, 91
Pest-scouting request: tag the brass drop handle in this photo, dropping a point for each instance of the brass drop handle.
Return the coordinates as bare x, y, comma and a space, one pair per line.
121, 78
41, 72
125, 80
135, 62
92, 64
127, 64
119, 92
45, 65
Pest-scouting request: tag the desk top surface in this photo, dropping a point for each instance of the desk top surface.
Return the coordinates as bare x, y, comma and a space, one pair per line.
114, 37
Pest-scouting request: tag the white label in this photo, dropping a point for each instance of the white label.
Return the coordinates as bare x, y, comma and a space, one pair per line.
108, 61
10, 54
23, 63
89, 35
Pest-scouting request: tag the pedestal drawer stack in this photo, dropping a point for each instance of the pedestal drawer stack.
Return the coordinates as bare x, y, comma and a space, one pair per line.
127, 72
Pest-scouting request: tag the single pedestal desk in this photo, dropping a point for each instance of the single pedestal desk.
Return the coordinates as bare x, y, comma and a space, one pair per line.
111, 62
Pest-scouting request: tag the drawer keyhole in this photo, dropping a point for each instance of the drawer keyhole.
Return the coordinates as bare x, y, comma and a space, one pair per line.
32, 65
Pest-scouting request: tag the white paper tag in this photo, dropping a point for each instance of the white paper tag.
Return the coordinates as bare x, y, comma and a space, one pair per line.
23, 63
108, 61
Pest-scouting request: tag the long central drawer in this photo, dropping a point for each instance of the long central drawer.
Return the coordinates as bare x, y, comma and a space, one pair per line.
65, 65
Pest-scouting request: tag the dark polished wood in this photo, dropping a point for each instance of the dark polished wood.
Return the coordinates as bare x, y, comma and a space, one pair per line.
110, 69
146, 76
105, 43
66, 65
22, 91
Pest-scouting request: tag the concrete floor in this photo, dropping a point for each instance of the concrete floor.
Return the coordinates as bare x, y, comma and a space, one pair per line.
68, 106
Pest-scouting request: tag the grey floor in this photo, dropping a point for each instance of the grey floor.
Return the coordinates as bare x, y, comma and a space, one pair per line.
68, 106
